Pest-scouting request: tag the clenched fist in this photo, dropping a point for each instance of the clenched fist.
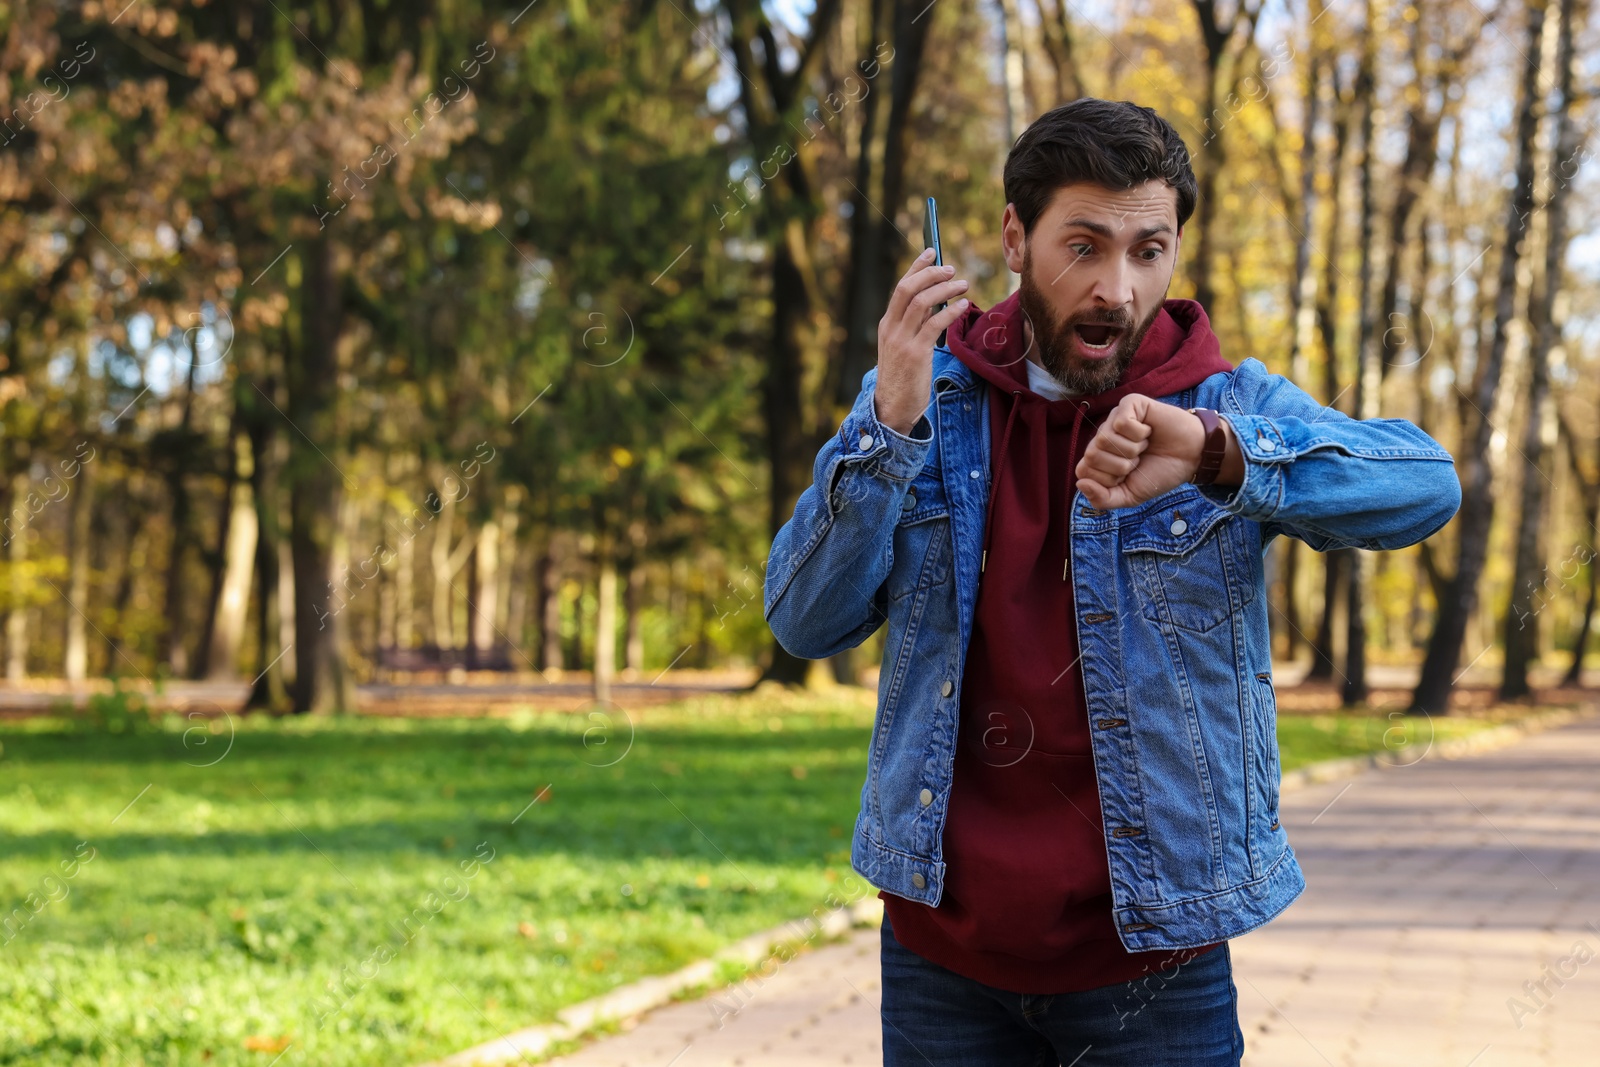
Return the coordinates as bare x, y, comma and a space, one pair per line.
1144, 448
906, 334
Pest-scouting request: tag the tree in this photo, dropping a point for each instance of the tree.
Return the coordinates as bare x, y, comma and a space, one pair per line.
1432, 694
1521, 623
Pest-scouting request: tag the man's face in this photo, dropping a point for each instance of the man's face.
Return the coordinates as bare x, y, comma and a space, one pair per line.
1095, 269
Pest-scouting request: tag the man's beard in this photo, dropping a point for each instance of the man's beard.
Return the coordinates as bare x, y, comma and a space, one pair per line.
1056, 338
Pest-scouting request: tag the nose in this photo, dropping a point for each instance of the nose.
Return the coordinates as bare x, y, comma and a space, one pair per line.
1113, 285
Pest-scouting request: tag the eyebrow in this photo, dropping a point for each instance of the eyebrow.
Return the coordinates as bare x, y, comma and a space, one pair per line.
1105, 231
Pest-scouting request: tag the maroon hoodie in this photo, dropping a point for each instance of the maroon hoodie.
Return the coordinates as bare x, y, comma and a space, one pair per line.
1027, 897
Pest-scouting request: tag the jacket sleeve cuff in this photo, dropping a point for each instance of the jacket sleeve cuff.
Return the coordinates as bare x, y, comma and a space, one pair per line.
1265, 455
897, 455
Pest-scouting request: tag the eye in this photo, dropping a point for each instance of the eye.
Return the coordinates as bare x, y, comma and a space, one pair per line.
1082, 249
1150, 255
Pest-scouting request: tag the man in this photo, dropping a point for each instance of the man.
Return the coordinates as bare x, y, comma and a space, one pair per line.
1071, 801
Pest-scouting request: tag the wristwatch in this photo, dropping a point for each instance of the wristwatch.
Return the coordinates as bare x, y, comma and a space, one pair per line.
1215, 448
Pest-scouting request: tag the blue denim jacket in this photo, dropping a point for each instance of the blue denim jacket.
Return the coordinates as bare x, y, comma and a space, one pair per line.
1172, 627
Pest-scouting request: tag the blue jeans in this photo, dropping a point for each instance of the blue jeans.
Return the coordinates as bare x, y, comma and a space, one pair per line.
1187, 1016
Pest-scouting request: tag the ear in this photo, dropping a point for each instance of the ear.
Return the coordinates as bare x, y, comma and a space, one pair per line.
1013, 239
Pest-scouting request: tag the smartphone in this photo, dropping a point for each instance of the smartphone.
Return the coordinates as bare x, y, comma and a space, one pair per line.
930, 239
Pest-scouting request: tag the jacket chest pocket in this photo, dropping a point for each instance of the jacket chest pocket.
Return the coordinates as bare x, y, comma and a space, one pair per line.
922, 550
1189, 560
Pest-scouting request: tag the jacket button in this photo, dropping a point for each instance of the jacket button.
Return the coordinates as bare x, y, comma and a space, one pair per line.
919, 881
926, 796
972, 474
947, 688
909, 502
1266, 444
866, 441
1178, 526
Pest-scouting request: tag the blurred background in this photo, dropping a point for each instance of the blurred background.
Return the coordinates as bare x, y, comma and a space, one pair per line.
455, 364
341, 341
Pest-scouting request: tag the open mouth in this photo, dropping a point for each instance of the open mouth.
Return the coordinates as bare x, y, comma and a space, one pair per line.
1097, 337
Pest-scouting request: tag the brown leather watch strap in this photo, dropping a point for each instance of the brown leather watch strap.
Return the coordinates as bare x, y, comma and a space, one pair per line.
1215, 448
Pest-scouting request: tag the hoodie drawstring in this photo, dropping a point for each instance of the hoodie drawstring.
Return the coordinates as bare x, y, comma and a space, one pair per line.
999, 470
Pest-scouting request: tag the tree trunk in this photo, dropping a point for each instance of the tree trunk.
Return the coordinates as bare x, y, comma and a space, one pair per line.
791, 207
16, 556
1322, 645
1432, 695
172, 649
1014, 69
1574, 675
405, 593
79, 547
1334, 563
866, 288
322, 682
1055, 28
135, 536
1367, 395
1218, 36
517, 629
1303, 286
1302, 314
1589, 488
1521, 625
575, 656
447, 562
509, 518
633, 647
239, 549
486, 586
215, 562
549, 606
787, 445
605, 623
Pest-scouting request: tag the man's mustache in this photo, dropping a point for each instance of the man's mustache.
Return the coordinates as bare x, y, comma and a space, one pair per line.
1118, 318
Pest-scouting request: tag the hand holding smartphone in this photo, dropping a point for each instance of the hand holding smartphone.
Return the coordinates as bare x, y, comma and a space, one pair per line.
919, 310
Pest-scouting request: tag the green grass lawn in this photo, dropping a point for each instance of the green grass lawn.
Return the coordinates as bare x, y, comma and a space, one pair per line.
1304, 739
381, 891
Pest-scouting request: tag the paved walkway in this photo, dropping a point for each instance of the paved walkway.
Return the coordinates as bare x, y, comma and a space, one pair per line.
1437, 896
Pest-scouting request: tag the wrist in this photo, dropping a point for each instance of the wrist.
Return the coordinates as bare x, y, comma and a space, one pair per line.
895, 420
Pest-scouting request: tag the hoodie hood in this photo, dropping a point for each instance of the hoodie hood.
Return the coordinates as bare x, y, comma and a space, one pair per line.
1177, 352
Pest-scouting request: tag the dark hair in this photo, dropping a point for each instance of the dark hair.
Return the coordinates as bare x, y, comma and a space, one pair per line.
1115, 144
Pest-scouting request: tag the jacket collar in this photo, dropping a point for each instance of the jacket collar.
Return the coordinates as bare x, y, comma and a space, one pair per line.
946, 366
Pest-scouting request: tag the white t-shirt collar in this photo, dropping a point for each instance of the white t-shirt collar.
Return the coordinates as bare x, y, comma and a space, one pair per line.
1044, 383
